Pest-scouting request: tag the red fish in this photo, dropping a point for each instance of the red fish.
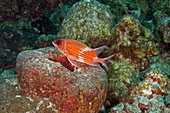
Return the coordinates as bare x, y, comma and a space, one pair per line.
77, 51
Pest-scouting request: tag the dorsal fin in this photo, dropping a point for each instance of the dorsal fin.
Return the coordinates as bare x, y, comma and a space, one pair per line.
99, 49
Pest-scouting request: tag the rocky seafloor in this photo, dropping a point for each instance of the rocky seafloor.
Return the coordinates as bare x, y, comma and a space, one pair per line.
37, 78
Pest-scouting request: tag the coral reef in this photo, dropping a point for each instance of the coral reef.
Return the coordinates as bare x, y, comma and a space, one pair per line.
9, 73
154, 84
141, 9
160, 63
163, 30
57, 17
142, 104
119, 8
12, 42
159, 5
133, 44
121, 77
8, 58
22, 8
138, 76
71, 91
88, 21
147, 96
133, 40
22, 23
43, 25
45, 40
31, 14
14, 39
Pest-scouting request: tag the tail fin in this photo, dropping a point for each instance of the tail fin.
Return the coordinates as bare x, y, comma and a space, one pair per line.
105, 59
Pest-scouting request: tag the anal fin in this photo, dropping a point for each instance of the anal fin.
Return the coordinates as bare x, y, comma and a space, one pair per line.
95, 64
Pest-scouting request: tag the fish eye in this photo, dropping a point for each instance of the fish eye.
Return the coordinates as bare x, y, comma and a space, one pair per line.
58, 42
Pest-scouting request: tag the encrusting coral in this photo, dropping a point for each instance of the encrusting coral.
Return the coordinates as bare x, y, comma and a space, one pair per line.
146, 96
89, 22
154, 84
133, 44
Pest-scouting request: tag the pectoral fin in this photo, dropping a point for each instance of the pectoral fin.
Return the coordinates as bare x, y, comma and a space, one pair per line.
72, 61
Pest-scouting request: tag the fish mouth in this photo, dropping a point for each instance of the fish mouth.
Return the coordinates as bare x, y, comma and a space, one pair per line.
53, 42
55, 45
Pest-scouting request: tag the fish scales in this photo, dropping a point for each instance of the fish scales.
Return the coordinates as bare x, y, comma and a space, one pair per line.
75, 50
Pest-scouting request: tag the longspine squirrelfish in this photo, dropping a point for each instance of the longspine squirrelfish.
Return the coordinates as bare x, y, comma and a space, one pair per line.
77, 51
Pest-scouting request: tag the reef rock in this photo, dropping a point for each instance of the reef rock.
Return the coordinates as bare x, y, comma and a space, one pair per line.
153, 84
88, 21
142, 104
148, 96
45, 40
7, 58
70, 90
133, 40
162, 30
133, 44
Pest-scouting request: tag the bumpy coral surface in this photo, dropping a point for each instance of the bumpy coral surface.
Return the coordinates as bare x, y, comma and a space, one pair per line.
70, 90
148, 96
163, 30
154, 84
88, 21
133, 40
45, 40
133, 44
120, 77
142, 104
